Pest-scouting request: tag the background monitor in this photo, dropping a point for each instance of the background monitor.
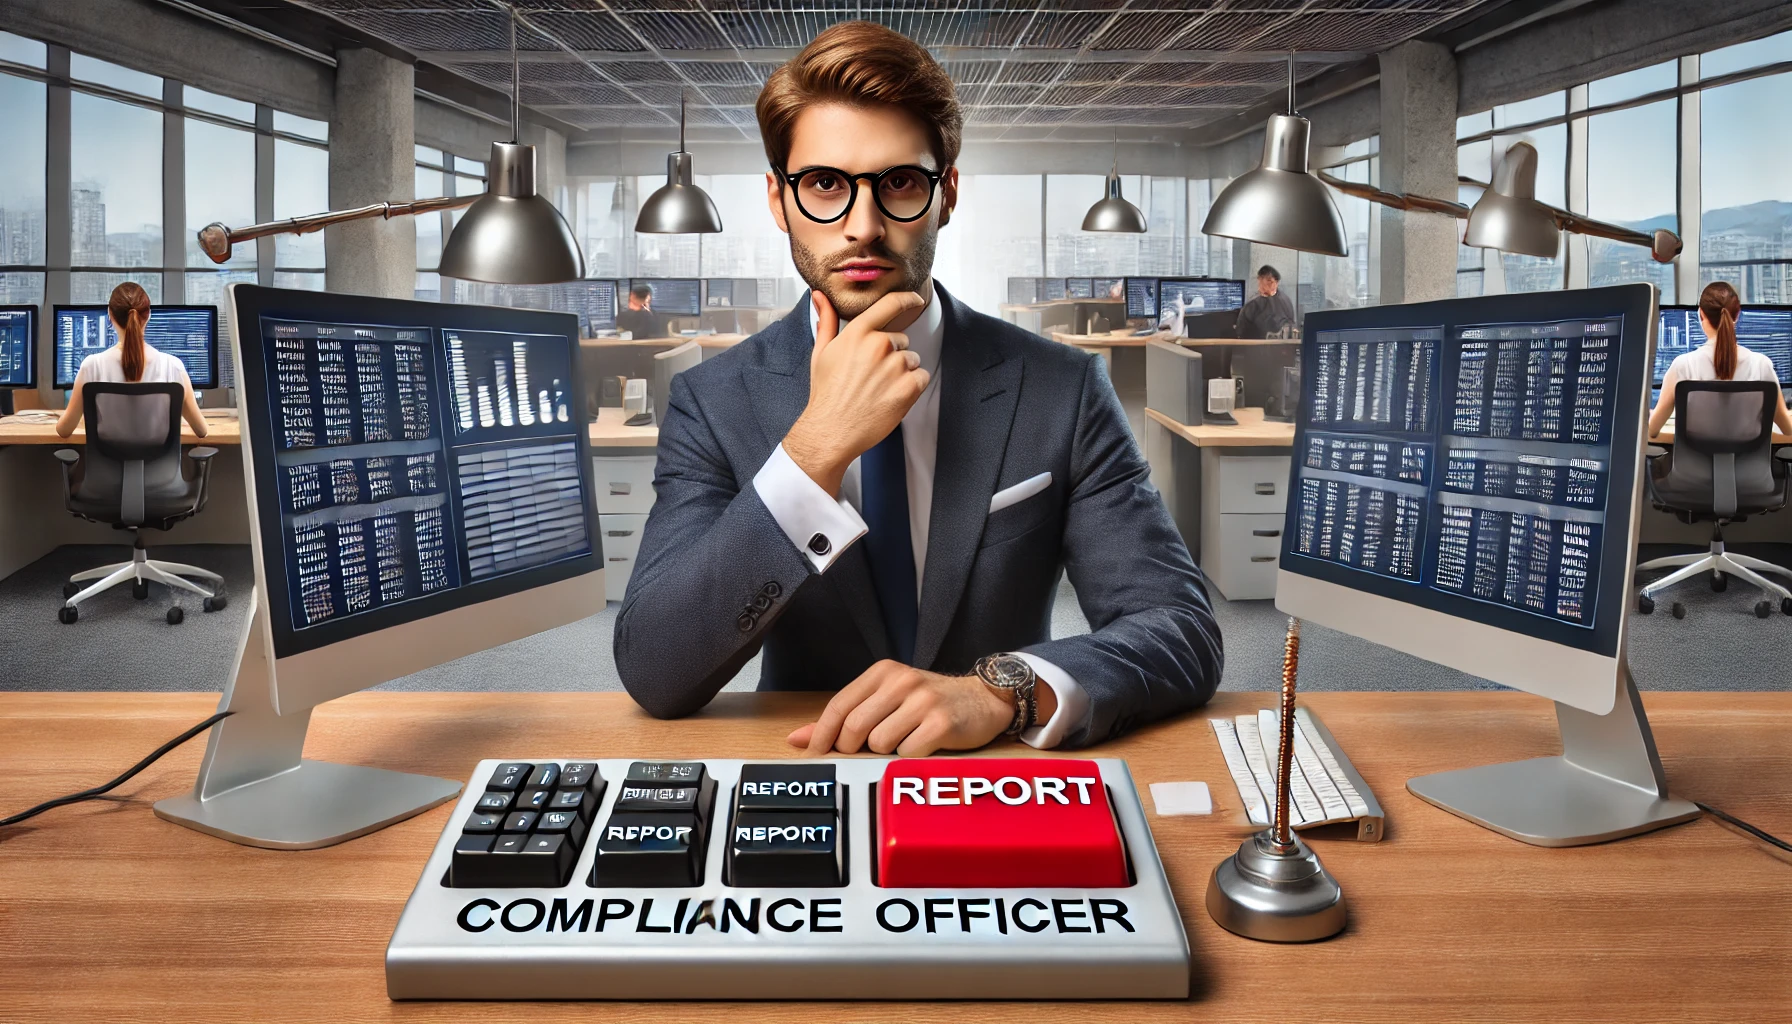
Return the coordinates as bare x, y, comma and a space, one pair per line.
747, 293
18, 346
1023, 290
595, 303
673, 296
1760, 328
1141, 298
718, 291
189, 333
1079, 288
1200, 294
1051, 289
1110, 288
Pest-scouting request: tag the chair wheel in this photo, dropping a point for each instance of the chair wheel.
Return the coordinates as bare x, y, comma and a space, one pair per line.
1763, 609
1679, 610
1786, 605
67, 614
216, 603
139, 589
1719, 582
175, 615
1645, 604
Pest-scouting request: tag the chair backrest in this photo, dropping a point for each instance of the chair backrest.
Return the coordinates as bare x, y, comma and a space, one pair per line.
1723, 442
133, 443
669, 364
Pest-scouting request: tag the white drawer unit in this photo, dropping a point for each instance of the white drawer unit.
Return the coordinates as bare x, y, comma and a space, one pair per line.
624, 484
622, 541
1250, 483
1239, 556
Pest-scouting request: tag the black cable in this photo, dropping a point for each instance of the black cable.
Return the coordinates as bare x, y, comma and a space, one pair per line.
1771, 840
89, 794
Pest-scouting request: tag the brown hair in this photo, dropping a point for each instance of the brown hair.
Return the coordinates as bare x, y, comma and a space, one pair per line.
861, 64
129, 307
1721, 306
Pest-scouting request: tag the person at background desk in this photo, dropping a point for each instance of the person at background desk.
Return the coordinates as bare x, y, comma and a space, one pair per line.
1269, 310
882, 491
131, 361
1722, 357
639, 319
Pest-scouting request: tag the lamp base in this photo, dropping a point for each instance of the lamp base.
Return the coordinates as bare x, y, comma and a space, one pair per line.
1262, 894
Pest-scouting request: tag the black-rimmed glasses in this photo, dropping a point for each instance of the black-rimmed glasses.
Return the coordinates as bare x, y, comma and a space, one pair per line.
825, 194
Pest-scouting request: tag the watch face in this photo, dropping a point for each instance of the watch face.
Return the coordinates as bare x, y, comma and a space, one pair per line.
1007, 672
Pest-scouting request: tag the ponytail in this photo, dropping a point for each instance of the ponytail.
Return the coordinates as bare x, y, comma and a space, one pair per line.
129, 307
1720, 305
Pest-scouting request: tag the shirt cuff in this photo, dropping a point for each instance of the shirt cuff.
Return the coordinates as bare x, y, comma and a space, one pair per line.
1073, 704
821, 527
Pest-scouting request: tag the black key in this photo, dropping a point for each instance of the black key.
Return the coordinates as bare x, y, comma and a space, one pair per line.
653, 850
785, 848
545, 777
509, 843
787, 787
509, 775
579, 801
675, 799
579, 775
471, 867
511, 861
567, 823
545, 861
493, 803
483, 823
533, 799
668, 773
520, 821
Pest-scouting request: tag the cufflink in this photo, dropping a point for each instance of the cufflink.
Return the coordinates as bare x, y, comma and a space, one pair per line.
820, 544
745, 623
771, 589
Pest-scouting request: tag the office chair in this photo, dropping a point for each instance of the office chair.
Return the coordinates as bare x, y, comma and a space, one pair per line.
130, 476
1722, 470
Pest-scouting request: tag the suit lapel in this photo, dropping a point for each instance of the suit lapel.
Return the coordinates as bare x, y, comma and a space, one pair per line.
778, 389
981, 389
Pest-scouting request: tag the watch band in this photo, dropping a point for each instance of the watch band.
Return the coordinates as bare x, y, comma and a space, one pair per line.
1012, 674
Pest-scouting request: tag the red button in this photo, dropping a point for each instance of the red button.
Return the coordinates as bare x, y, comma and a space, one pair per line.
996, 823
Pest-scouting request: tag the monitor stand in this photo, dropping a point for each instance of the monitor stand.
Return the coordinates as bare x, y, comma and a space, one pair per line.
1607, 783
254, 788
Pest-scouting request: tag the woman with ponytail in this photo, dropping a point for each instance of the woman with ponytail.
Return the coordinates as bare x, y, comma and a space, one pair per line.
1720, 358
131, 361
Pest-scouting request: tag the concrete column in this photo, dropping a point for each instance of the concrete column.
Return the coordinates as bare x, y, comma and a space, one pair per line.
372, 159
1418, 154
550, 162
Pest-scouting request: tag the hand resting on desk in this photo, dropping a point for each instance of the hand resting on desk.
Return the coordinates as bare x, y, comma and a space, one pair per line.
893, 708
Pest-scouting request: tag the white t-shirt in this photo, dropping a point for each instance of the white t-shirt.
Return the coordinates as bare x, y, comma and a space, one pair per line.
158, 368
1699, 364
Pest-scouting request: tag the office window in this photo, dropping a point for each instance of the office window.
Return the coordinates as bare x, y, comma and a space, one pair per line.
601, 220
1474, 160
19, 50
1509, 115
750, 244
1163, 247
96, 286
1533, 273
1208, 255
430, 156
1343, 282
115, 198
1746, 190
21, 287
222, 106
475, 168
301, 186
1752, 54
301, 127
220, 188
428, 287
82, 68
1072, 252
661, 255
1632, 181
22, 107
1631, 84
305, 280
429, 225
1474, 124
994, 235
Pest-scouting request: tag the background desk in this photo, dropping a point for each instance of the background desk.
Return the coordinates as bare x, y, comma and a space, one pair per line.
622, 461
602, 359
1227, 489
112, 914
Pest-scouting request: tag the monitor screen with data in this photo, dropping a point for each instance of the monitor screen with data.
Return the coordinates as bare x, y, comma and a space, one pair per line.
595, 304
674, 296
1079, 288
1200, 294
1476, 457
188, 333
1141, 298
18, 346
1763, 329
1109, 288
1051, 289
408, 457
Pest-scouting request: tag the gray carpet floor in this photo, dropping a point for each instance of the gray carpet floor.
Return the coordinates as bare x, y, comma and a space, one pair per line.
123, 644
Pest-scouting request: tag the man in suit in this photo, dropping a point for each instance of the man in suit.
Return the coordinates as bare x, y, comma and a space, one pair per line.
639, 318
881, 491
1269, 310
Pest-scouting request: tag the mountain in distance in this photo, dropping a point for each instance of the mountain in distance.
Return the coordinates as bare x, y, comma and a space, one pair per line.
1767, 218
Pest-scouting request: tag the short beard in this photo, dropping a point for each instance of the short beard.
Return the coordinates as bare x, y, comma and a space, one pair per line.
912, 269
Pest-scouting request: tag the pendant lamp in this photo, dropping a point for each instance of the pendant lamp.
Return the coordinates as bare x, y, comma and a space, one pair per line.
679, 207
1112, 212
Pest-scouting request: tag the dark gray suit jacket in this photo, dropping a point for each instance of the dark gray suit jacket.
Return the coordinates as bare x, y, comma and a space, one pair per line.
717, 579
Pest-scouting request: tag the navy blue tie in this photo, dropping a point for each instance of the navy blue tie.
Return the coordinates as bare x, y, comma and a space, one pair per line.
883, 487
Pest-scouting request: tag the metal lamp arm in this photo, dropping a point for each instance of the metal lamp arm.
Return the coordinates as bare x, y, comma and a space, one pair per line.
1395, 199
216, 240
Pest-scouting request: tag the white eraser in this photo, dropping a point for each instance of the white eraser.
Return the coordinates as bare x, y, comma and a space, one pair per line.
1181, 798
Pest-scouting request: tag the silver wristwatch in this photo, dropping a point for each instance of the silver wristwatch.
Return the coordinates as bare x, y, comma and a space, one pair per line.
1011, 674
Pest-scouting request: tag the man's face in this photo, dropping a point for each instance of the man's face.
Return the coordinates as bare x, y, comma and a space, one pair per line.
1267, 285
864, 255
640, 301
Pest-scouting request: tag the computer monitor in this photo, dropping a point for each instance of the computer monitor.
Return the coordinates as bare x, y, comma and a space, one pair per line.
1466, 489
673, 296
419, 484
718, 291
595, 303
747, 293
18, 347
1079, 288
1051, 289
1110, 287
189, 333
1760, 328
1200, 294
1023, 291
1141, 298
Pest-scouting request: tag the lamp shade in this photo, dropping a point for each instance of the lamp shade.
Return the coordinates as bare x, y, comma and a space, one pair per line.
1509, 217
678, 207
1280, 203
1113, 212
511, 235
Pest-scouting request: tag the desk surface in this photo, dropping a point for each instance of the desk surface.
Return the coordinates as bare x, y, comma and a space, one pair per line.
703, 340
110, 913
1252, 431
610, 432
13, 430
1667, 435
1126, 339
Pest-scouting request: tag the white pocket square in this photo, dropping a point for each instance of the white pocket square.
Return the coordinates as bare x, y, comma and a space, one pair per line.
1019, 492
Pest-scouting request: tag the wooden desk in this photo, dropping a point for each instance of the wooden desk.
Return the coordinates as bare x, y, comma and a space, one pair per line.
1226, 488
1667, 435
713, 341
109, 913
1252, 431
14, 430
1126, 339
610, 431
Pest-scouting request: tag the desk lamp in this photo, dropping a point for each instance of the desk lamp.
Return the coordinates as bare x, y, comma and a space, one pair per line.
1274, 888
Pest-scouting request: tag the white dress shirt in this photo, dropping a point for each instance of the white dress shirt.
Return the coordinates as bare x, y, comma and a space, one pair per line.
802, 509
